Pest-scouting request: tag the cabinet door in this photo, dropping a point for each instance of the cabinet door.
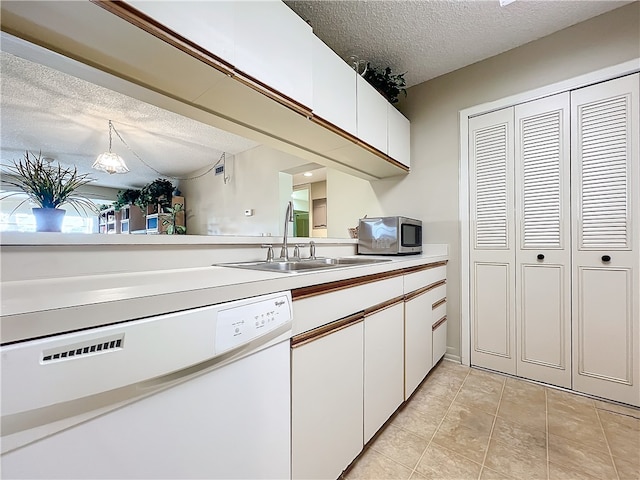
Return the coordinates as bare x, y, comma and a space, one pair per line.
334, 88
207, 24
418, 340
327, 408
604, 133
399, 133
492, 255
543, 255
274, 45
371, 115
383, 366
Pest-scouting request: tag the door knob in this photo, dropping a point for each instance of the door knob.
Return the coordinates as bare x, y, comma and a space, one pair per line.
606, 258
540, 256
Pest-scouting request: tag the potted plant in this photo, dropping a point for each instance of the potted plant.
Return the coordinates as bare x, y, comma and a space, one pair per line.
157, 193
126, 197
169, 220
49, 187
388, 84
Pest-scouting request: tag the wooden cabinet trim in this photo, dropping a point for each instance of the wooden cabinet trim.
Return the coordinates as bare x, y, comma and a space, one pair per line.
438, 303
321, 289
438, 323
148, 24
423, 290
344, 134
420, 268
384, 305
328, 329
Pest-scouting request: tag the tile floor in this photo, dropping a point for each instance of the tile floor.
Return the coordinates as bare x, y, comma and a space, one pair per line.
466, 423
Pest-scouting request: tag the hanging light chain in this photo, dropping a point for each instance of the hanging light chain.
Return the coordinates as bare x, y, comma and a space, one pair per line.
111, 126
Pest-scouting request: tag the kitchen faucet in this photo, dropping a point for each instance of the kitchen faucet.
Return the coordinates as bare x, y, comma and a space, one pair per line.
288, 217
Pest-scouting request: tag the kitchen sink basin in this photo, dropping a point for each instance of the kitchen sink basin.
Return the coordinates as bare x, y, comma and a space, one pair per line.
305, 265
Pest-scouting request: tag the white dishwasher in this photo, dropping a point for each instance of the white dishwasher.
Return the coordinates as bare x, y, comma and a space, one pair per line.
202, 393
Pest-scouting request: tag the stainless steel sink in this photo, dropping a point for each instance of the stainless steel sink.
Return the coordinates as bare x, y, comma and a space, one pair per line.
305, 265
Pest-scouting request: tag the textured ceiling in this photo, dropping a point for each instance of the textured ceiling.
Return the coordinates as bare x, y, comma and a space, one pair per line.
67, 119
428, 38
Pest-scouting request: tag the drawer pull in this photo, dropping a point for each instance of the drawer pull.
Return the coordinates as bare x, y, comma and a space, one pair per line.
606, 258
438, 323
540, 256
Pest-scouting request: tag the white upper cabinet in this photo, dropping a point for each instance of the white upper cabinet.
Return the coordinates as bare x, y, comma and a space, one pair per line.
207, 24
274, 45
398, 131
371, 115
334, 88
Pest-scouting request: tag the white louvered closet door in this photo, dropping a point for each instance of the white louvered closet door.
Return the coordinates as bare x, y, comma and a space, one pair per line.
605, 183
492, 252
543, 252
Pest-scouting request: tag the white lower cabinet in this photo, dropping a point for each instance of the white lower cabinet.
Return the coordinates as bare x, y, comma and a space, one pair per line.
383, 366
418, 343
349, 366
326, 400
424, 310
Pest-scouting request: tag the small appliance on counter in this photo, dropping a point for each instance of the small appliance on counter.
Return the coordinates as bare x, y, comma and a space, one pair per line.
389, 236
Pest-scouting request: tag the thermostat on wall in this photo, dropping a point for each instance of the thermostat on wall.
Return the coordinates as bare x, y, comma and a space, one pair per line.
219, 170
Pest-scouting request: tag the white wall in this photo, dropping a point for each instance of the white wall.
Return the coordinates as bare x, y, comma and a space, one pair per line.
430, 192
216, 208
348, 200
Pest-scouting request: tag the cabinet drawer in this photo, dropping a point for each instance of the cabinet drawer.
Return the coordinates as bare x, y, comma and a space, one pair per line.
439, 305
439, 339
422, 278
317, 310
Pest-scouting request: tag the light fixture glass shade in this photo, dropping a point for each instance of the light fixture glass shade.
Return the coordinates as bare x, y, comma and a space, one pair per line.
110, 162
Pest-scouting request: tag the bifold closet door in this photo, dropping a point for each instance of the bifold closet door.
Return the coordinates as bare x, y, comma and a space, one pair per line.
605, 183
492, 255
543, 251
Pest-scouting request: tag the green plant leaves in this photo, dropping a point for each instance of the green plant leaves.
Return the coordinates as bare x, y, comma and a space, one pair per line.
388, 84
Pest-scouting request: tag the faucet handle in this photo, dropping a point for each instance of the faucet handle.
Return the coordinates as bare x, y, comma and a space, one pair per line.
296, 251
269, 252
312, 250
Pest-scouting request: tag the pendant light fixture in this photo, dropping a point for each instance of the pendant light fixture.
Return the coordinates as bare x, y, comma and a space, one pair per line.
108, 161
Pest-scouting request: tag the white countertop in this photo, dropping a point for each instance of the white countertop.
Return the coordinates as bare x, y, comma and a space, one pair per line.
34, 308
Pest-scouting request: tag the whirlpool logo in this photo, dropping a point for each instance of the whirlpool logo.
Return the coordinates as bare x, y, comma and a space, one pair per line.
279, 303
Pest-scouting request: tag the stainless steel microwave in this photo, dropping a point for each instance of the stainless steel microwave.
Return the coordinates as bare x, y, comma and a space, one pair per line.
389, 236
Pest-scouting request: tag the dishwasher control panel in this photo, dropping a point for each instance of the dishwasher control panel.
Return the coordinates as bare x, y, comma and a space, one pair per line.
239, 324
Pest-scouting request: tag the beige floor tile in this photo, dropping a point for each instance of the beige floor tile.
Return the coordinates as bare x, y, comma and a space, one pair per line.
614, 407
435, 405
488, 474
441, 463
444, 387
515, 463
560, 396
486, 374
469, 417
531, 414
474, 398
521, 391
417, 421
375, 465
579, 458
465, 441
560, 472
400, 445
572, 407
520, 438
586, 432
627, 470
623, 435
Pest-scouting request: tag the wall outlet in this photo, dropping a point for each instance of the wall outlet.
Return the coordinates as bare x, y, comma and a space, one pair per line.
248, 212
